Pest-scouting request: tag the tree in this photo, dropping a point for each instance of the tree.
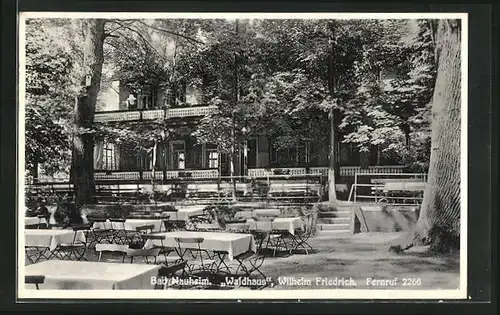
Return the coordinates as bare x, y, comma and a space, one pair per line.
82, 163
50, 63
439, 221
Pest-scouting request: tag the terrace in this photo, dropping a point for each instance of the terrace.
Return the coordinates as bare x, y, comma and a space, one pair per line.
153, 114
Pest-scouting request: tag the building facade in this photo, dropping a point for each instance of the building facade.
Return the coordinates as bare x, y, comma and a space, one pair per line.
183, 156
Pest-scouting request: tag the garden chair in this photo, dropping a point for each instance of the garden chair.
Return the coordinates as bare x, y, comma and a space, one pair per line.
208, 227
166, 273
250, 263
111, 248
166, 258
146, 254
274, 239
36, 280
118, 233
99, 234
201, 258
238, 227
76, 248
303, 235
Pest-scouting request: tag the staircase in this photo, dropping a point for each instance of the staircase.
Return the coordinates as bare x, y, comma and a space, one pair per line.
334, 220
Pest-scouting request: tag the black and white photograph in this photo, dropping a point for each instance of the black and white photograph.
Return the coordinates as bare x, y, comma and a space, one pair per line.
242, 155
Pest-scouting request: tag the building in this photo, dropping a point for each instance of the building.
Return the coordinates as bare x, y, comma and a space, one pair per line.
182, 156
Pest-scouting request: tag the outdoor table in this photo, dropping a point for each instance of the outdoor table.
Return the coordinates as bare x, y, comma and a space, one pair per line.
129, 224
44, 241
184, 213
35, 221
278, 224
233, 244
84, 275
266, 212
258, 212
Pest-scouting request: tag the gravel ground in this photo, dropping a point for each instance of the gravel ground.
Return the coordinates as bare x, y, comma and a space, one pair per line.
351, 263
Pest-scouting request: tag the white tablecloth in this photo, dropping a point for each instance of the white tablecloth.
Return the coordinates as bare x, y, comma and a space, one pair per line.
280, 224
51, 238
34, 221
185, 212
129, 224
266, 212
84, 275
258, 212
232, 243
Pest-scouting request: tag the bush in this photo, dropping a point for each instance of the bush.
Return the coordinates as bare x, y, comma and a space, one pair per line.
67, 214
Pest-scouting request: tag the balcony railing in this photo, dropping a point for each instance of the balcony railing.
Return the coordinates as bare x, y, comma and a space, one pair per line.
154, 114
344, 170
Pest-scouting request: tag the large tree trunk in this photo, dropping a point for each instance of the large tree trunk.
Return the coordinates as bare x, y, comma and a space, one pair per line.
439, 221
82, 164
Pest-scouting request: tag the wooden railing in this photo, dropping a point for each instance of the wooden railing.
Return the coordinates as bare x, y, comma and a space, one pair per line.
154, 114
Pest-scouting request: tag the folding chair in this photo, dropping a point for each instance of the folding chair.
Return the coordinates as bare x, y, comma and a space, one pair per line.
302, 236
40, 219
76, 248
118, 232
275, 239
166, 251
36, 280
238, 227
172, 225
208, 227
166, 273
144, 253
99, 234
164, 221
111, 248
254, 260
185, 246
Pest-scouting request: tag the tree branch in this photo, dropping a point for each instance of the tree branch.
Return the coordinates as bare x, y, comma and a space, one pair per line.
172, 33
143, 38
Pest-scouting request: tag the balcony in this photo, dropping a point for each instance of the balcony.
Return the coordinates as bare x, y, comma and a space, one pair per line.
154, 114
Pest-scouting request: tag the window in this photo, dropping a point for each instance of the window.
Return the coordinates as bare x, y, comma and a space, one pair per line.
180, 160
213, 159
178, 154
292, 156
176, 95
109, 157
145, 101
143, 160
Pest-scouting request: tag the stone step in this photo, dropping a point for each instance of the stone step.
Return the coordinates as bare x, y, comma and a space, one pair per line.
334, 214
333, 234
328, 220
336, 227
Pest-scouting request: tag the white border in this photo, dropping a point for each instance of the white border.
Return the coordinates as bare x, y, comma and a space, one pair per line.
236, 294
